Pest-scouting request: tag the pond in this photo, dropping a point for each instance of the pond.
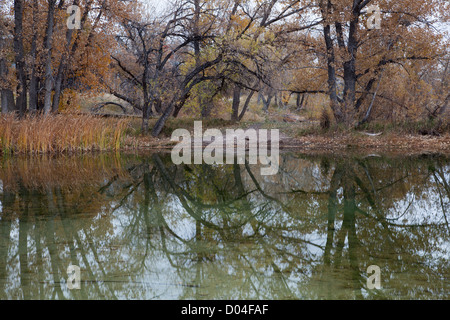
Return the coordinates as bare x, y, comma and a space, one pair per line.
140, 227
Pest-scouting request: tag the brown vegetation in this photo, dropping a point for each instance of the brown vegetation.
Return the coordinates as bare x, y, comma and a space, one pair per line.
60, 134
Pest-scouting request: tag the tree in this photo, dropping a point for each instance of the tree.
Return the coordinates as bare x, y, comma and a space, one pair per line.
358, 55
6, 92
21, 103
50, 58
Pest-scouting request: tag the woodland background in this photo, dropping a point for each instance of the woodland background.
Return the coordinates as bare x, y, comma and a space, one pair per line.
221, 58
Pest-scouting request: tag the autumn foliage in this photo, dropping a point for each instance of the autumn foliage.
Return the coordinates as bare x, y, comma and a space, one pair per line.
205, 57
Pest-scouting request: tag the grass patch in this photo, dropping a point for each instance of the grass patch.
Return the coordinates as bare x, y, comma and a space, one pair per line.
188, 124
60, 134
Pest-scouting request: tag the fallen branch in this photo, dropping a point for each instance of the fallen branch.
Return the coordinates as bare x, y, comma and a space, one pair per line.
99, 106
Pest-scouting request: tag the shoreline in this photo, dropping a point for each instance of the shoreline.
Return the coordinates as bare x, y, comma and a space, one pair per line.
90, 134
407, 145
390, 143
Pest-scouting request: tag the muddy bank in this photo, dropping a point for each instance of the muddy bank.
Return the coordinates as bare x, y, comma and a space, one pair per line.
390, 143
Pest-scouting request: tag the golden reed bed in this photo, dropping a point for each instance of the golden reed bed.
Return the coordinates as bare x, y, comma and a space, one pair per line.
60, 134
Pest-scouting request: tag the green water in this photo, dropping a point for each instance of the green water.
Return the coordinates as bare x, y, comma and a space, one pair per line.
140, 227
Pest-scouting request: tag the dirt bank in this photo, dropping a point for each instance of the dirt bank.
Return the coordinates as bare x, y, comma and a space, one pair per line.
390, 143
336, 143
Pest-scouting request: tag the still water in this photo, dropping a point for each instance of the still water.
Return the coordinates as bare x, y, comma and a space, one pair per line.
140, 227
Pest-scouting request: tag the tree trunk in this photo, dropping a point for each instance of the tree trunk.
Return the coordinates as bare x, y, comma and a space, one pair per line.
267, 102
350, 70
369, 110
159, 125
174, 108
48, 64
21, 103
34, 81
146, 110
179, 105
246, 104
158, 105
58, 88
300, 101
334, 103
196, 43
145, 120
7, 97
40, 94
444, 105
236, 101
145, 116
260, 98
33, 92
207, 108
70, 51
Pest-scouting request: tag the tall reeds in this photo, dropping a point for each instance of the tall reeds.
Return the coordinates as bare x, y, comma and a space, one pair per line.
65, 133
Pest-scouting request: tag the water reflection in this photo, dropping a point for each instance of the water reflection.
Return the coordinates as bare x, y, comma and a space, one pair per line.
142, 228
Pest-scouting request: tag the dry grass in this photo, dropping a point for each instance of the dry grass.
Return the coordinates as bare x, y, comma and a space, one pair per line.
59, 134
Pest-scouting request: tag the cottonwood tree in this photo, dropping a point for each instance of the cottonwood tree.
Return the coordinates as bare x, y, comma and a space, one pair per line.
260, 47
197, 49
160, 59
6, 77
146, 61
358, 55
48, 56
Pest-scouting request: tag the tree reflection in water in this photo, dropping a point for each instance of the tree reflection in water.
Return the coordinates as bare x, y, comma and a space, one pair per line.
141, 227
